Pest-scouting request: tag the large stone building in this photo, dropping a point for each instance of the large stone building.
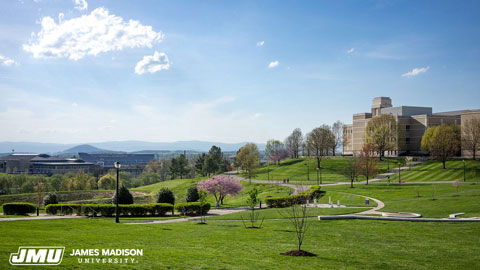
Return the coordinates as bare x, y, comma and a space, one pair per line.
43, 164
413, 122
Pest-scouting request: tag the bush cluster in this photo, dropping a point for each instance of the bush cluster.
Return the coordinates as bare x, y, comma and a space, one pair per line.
165, 195
193, 208
50, 198
192, 194
310, 194
19, 208
124, 197
108, 210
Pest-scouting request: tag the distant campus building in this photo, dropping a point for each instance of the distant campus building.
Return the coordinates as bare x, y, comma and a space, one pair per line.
88, 163
43, 164
413, 122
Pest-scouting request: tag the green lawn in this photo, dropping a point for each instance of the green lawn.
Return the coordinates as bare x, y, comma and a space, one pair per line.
296, 170
347, 244
433, 171
272, 213
430, 200
180, 186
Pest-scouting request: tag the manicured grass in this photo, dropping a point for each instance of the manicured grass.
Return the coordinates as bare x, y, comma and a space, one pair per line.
430, 200
433, 171
347, 244
275, 213
296, 170
180, 186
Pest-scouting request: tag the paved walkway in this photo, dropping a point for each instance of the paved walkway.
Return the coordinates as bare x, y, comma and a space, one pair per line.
212, 212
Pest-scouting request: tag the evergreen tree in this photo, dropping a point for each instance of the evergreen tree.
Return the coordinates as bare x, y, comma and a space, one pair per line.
199, 164
124, 196
192, 194
173, 169
165, 195
182, 166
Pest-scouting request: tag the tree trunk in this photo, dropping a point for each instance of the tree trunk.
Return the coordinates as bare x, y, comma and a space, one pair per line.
443, 161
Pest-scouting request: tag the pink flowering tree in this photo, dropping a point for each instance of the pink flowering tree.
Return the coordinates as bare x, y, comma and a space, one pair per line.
220, 186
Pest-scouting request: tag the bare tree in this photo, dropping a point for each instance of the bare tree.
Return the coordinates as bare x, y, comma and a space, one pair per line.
383, 133
350, 169
320, 141
294, 142
366, 163
471, 136
337, 130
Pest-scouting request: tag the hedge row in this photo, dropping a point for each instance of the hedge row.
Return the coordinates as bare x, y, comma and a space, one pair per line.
108, 210
303, 197
20, 208
192, 208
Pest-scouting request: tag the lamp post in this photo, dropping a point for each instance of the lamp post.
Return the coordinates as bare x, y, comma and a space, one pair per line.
317, 169
464, 178
388, 164
308, 171
399, 172
320, 174
117, 210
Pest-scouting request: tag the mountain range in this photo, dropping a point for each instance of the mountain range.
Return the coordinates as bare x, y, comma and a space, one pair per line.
119, 146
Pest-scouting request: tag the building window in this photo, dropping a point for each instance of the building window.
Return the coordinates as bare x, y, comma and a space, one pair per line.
407, 140
407, 127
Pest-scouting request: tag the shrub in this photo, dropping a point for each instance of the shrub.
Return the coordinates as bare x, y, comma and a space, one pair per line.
124, 196
19, 208
64, 208
192, 194
108, 210
165, 195
193, 208
312, 193
50, 198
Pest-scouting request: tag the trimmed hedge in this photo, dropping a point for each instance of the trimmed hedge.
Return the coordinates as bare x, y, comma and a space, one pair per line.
312, 193
20, 208
193, 208
108, 210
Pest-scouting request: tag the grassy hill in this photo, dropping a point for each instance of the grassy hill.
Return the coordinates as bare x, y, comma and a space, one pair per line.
433, 171
296, 170
179, 188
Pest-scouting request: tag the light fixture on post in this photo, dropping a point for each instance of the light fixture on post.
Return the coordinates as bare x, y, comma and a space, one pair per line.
117, 212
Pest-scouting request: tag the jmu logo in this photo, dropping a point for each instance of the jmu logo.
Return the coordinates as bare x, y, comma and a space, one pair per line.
37, 256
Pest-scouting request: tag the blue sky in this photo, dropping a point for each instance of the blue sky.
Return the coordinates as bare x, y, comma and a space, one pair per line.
230, 71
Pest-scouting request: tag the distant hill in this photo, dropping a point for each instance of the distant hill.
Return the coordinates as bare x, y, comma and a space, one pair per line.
123, 146
86, 148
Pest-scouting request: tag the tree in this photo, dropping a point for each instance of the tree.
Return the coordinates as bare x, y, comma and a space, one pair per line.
248, 159
50, 198
294, 142
350, 169
337, 130
107, 181
182, 166
220, 186
199, 164
209, 165
217, 157
383, 133
153, 166
252, 201
366, 163
471, 136
320, 141
173, 169
192, 194
442, 142
165, 195
275, 151
124, 196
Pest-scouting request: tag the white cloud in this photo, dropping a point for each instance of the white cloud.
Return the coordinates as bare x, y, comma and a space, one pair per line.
156, 62
416, 71
7, 61
351, 50
260, 43
273, 64
90, 35
81, 4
